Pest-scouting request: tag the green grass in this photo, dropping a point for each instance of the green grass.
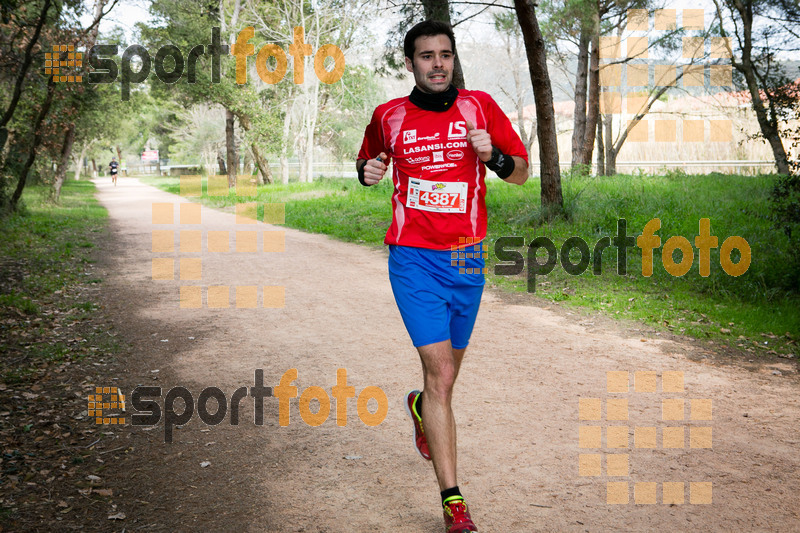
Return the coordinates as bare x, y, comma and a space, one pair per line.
44, 256
19, 301
43, 238
745, 312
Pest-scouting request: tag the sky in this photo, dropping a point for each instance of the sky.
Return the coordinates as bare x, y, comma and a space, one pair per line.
129, 12
124, 15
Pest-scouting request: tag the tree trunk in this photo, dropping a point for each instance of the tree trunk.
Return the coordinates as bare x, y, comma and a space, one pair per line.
230, 148
247, 164
221, 165
78, 168
579, 117
593, 109
302, 161
69, 139
312, 107
263, 165
264, 173
37, 140
21, 73
79, 162
284, 159
525, 135
601, 155
311, 126
66, 152
94, 168
552, 200
768, 125
616, 147
440, 10
611, 154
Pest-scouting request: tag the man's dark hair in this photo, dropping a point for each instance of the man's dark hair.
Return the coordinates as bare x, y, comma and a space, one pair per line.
427, 28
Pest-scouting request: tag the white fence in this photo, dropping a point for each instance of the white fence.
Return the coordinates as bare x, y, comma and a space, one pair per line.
347, 170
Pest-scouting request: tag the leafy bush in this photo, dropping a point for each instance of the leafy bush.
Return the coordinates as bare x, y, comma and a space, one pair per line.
785, 204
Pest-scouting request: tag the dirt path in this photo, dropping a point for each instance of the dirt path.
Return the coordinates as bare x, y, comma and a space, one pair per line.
517, 405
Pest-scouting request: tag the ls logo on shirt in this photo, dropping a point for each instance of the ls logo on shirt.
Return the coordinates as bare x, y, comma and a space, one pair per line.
457, 129
409, 136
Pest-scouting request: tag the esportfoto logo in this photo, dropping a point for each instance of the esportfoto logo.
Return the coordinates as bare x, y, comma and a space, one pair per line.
63, 55
106, 69
148, 411
512, 262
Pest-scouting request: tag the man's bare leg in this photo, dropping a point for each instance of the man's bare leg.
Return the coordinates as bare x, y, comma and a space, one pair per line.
440, 366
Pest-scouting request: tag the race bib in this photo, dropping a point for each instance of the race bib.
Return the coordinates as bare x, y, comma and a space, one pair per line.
437, 196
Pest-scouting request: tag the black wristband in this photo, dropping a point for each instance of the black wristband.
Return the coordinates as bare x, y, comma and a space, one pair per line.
503, 165
361, 174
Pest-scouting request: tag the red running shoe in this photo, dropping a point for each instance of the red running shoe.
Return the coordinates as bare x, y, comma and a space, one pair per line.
420, 442
456, 517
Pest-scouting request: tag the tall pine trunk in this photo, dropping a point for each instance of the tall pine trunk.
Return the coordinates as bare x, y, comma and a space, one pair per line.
767, 123
579, 117
37, 140
21, 74
601, 150
265, 176
440, 10
611, 154
593, 107
262, 164
66, 151
284, 156
552, 199
79, 162
230, 148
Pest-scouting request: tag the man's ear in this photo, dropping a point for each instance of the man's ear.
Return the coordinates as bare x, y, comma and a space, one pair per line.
409, 65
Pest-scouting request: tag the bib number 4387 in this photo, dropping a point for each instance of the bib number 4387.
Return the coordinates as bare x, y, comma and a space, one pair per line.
440, 197
443, 199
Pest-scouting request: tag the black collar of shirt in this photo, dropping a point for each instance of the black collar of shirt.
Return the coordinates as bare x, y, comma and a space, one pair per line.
434, 101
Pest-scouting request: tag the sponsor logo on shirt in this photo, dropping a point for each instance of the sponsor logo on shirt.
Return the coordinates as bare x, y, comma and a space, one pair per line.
410, 137
457, 130
435, 146
455, 155
422, 159
429, 137
439, 167
438, 157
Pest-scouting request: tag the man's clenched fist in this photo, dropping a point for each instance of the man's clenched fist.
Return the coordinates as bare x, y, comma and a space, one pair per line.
374, 169
481, 142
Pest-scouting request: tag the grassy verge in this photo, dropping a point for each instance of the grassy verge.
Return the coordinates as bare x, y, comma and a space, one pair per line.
57, 346
46, 281
754, 312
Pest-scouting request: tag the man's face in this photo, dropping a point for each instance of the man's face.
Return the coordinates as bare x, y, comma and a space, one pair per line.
433, 63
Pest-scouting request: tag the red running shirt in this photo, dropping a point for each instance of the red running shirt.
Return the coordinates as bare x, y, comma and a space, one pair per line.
439, 190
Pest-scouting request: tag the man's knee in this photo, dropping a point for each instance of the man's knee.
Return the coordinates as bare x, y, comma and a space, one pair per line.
440, 380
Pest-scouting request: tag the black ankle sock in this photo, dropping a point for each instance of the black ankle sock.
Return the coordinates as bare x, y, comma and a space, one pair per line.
449, 493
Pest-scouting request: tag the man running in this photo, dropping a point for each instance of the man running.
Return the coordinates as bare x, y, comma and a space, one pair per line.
113, 167
441, 139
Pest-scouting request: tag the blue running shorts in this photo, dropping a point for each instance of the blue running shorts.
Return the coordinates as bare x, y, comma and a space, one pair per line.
436, 302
